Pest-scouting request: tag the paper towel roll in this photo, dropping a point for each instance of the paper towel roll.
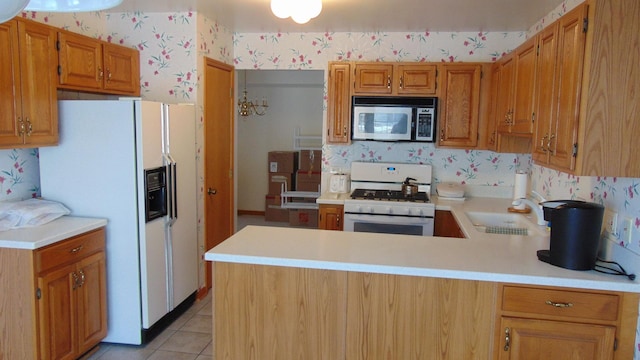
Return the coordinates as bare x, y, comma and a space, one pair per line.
520, 188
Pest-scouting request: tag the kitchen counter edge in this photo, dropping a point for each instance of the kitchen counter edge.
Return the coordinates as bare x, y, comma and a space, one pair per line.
33, 238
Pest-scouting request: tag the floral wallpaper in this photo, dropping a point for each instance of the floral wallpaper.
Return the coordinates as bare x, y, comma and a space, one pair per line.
172, 46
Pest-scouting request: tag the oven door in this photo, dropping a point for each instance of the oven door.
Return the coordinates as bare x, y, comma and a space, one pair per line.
388, 224
382, 123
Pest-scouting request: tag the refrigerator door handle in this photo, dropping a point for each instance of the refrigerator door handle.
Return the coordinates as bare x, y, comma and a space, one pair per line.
174, 191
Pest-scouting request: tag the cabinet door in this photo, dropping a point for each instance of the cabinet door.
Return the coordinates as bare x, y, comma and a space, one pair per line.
339, 103
504, 113
494, 118
446, 225
80, 61
373, 79
330, 217
545, 109
122, 69
541, 339
92, 302
459, 105
38, 59
524, 86
10, 91
57, 313
419, 79
570, 60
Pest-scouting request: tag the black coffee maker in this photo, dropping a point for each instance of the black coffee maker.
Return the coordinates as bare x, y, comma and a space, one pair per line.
575, 233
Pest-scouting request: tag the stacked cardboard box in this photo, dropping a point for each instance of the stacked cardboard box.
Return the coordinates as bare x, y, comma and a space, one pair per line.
282, 166
307, 179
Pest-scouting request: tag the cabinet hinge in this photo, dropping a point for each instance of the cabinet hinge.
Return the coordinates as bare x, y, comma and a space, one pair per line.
615, 344
575, 150
59, 70
58, 45
533, 117
585, 25
38, 294
538, 50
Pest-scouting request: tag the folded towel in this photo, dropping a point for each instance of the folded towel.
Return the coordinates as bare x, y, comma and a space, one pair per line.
29, 213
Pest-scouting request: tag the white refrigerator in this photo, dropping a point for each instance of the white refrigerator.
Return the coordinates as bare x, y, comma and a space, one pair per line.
97, 170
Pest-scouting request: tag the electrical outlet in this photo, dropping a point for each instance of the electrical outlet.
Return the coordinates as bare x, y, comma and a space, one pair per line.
627, 229
611, 222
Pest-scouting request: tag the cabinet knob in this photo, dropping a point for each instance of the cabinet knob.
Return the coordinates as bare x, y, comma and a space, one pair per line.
542, 143
388, 82
108, 75
441, 134
553, 136
344, 131
29, 127
100, 72
20, 126
401, 82
211, 191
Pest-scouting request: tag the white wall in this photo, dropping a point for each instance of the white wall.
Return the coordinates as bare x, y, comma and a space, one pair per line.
295, 101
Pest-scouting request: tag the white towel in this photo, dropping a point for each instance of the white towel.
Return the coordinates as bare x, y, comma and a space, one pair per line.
29, 213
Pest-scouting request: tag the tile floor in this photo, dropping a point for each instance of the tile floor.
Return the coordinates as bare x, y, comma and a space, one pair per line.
187, 338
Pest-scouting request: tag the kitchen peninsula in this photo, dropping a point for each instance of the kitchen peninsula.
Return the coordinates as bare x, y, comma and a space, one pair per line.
298, 293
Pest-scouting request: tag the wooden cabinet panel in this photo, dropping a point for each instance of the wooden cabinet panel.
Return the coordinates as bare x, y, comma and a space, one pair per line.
545, 93
57, 313
417, 79
122, 69
291, 313
459, 105
539, 339
339, 103
80, 61
504, 96
570, 59
446, 225
92, 302
330, 217
583, 304
373, 79
10, 85
418, 318
524, 86
30, 88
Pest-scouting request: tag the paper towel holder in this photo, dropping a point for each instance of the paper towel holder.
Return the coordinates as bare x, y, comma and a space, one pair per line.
512, 209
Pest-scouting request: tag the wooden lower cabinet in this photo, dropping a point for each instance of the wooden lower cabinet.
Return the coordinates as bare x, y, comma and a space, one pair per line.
562, 323
330, 217
58, 307
446, 225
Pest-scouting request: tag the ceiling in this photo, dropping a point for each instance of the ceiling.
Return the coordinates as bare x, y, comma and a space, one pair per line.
254, 16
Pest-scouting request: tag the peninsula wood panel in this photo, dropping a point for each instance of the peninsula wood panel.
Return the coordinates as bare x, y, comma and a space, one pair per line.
405, 317
17, 311
271, 312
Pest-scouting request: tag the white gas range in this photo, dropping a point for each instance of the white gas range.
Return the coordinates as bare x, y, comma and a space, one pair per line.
378, 204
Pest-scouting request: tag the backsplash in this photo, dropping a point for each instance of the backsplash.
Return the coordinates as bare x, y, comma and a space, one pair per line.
19, 174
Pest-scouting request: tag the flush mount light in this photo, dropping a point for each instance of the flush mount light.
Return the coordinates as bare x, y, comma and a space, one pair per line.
71, 5
11, 8
300, 11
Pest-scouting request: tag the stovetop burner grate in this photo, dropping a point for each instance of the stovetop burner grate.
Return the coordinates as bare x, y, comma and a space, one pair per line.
388, 195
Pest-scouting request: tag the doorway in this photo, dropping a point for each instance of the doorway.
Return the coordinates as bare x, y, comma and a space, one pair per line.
218, 155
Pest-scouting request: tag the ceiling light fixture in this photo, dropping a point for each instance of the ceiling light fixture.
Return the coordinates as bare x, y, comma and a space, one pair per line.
248, 108
13, 7
301, 11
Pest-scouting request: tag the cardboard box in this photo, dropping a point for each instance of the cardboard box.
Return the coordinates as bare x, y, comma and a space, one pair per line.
273, 211
310, 160
308, 180
283, 161
303, 217
277, 179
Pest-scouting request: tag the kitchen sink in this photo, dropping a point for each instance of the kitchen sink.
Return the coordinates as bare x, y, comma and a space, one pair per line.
503, 223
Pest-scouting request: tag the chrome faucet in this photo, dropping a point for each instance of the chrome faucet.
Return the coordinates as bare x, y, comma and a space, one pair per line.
537, 209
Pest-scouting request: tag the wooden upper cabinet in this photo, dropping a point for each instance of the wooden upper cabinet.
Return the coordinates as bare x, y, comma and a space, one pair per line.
459, 105
545, 94
28, 85
415, 79
504, 95
523, 98
339, 103
97, 66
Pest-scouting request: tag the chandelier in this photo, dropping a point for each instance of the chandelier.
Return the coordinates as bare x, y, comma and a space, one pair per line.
11, 8
301, 11
247, 107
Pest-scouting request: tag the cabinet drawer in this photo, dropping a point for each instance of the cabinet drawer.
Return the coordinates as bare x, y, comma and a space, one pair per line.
69, 250
586, 305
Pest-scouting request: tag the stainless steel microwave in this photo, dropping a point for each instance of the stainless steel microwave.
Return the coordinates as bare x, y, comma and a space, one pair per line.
393, 118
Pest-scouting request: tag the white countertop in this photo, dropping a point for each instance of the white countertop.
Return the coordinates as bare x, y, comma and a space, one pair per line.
480, 256
36, 237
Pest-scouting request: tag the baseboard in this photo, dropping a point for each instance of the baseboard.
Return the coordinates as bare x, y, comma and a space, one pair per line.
250, 212
202, 293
